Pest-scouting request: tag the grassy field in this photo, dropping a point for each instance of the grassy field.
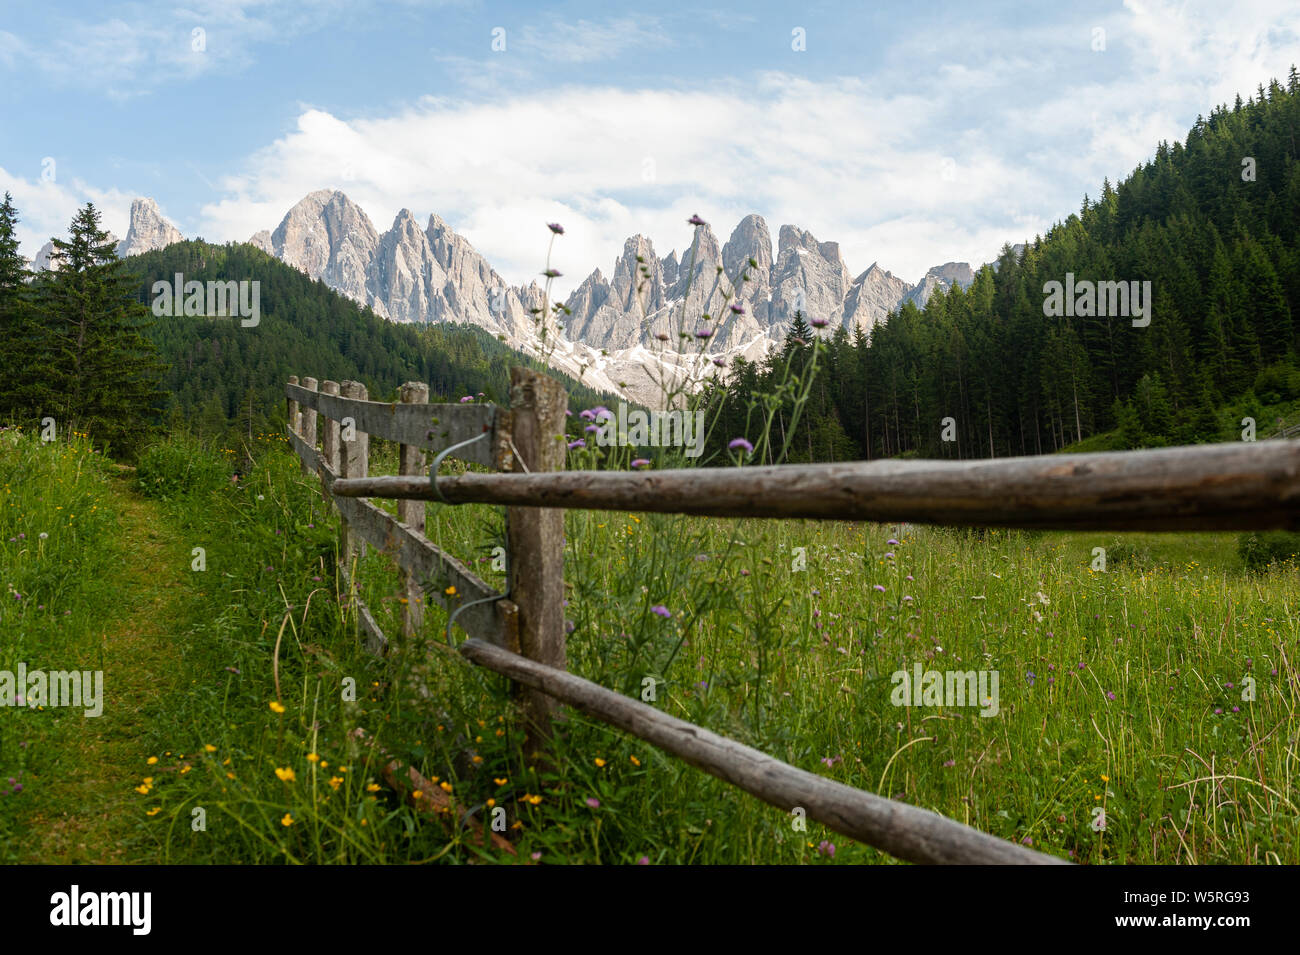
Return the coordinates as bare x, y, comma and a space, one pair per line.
1124, 691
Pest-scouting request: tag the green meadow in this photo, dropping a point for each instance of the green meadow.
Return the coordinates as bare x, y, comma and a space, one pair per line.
1146, 713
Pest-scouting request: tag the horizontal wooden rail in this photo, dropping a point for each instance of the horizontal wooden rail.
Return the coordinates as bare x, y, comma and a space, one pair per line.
495, 622
905, 831
432, 427
1241, 486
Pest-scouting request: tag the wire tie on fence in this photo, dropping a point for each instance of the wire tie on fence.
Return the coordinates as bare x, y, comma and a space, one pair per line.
437, 463
518, 458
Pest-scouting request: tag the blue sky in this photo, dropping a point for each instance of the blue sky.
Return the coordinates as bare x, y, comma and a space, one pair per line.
911, 133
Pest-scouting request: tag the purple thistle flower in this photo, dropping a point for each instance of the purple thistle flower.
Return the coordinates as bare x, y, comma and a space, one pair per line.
661, 610
696, 220
574, 445
640, 462
740, 444
591, 427
555, 227
552, 273
704, 333
737, 309
593, 802
720, 362
880, 587
818, 322
826, 848
644, 860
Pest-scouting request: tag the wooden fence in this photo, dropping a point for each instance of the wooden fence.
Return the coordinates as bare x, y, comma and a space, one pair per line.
520, 634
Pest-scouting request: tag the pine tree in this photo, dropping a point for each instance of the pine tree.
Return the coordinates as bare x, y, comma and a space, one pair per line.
22, 344
105, 373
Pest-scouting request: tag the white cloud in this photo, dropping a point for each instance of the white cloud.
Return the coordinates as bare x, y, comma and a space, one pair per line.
585, 41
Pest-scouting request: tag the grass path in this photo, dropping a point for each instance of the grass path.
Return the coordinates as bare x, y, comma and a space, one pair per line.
87, 806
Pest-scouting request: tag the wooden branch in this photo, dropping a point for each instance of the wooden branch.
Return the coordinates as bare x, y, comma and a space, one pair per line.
1241, 486
430, 427
433, 800
904, 831
495, 622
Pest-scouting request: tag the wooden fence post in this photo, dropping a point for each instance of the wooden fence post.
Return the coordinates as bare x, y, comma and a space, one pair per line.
411, 513
293, 407
309, 420
330, 437
535, 537
355, 456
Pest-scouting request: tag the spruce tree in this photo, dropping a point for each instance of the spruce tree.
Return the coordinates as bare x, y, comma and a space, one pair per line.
105, 372
24, 384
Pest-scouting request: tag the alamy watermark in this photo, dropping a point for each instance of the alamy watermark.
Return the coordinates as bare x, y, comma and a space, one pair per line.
1101, 299
650, 429
946, 688
212, 299
56, 688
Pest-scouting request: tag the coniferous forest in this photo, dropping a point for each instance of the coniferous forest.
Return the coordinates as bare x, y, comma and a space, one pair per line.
1213, 224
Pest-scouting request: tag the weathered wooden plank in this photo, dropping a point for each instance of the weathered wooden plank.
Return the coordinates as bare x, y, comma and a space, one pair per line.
535, 541
411, 513
307, 425
292, 406
1240, 486
330, 438
431, 427
354, 461
904, 831
494, 622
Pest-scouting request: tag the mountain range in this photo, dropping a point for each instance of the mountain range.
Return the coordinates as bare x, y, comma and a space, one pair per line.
613, 328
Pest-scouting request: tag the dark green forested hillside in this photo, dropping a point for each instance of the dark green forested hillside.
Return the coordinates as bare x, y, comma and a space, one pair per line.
1221, 249
219, 369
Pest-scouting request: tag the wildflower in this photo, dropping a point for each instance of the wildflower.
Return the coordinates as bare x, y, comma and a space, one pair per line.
277, 706
575, 445
42, 535
555, 227
600, 763
313, 758
593, 802
151, 760
446, 786
535, 856
879, 587
635, 761
661, 610
892, 542
154, 811
500, 782
720, 362
737, 309
450, 591
826, 848
640, 462
287, 820
704, 333
209, 748
552, 273
696, 221
285, 774
740, 444
372, 787
818, 322
644, 860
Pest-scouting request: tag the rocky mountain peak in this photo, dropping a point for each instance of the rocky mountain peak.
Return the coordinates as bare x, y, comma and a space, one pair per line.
148, 230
